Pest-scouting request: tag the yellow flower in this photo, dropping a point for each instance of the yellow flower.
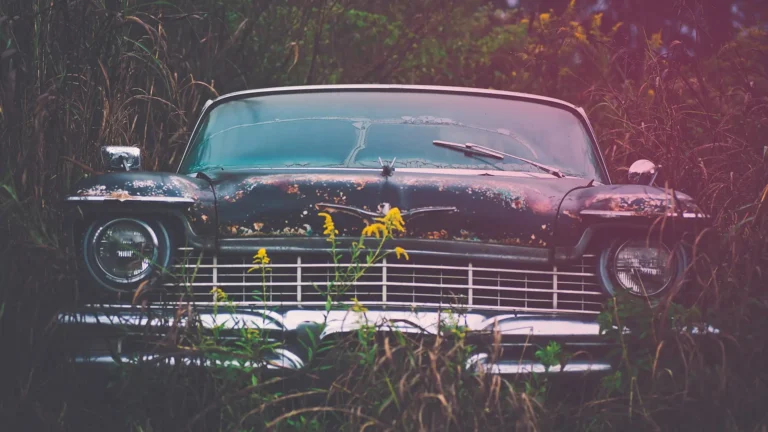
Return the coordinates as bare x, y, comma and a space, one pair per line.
544, 18
393, 220
656, 40
597, 20
400, 251
218, 294
651, 93
261, 257
578, 31
357, 306
376, 230
329, 229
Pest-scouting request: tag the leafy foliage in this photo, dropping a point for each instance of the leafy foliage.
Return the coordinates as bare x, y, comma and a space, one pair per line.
77, 74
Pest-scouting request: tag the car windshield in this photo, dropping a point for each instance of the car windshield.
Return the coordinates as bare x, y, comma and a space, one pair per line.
355, 129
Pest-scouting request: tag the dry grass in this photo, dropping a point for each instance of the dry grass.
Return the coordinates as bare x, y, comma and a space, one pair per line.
77, 74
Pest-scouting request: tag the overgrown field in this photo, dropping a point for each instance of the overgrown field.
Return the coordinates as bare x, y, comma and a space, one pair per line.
77, 74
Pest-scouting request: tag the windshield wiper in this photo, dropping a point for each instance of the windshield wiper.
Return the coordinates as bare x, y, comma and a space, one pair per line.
469, 149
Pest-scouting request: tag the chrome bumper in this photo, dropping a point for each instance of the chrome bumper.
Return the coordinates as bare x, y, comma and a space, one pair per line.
520, 335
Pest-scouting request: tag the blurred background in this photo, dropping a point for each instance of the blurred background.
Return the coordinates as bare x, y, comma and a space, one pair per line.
681, 82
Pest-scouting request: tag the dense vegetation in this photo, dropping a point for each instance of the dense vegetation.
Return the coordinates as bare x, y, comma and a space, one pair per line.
680, 82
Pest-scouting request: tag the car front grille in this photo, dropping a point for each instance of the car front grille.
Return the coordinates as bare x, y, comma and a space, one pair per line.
421, 282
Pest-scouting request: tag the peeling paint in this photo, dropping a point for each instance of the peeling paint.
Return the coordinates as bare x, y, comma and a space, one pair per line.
487, 206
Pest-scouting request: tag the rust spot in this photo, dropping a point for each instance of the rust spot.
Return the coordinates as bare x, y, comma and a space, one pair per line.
361, 183
97, 190
120, 194
341, 199
540, 205
144, 183
436, 235
572, 215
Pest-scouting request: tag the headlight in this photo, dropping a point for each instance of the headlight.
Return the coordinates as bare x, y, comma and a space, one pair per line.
121, 252
125, 249
640, 268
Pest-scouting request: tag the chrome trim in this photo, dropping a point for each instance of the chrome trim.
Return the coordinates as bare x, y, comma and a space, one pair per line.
439, 171
153, 259
131, 198
419, 283
620, 213
416, 88
578, 111
280, 359
340, 321
506, 367
412, 213
520, 332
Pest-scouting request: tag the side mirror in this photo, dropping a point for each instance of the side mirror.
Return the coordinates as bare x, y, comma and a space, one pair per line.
117, 158
643, 172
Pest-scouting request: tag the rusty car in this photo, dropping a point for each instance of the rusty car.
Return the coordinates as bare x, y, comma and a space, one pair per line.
513, 224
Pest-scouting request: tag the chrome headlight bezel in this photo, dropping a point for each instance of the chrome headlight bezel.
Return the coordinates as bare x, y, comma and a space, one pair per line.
612, 283
156, 233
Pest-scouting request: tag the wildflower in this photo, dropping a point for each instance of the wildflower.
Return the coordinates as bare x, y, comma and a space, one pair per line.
651, 93
376, 229
578, 31
656, 40
252, 333
597, 20
218, 294
400, 251
261, 257
544, 18
357, 306
393, 220
329, 229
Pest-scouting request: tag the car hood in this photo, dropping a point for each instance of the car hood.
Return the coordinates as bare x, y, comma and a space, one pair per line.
510, 208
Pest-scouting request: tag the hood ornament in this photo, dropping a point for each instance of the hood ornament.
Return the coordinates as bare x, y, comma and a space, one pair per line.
383, 209
387, 169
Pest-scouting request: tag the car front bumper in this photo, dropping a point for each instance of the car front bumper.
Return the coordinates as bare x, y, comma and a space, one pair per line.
113, 335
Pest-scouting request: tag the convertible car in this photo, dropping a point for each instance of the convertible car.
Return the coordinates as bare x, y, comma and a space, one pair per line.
512, 225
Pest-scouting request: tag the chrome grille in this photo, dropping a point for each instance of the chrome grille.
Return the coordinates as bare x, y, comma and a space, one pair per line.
422, 282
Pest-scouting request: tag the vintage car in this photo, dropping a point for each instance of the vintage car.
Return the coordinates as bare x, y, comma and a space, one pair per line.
512, 224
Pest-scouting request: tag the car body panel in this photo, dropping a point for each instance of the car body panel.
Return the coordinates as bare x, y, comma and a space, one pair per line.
488, 208
147, 191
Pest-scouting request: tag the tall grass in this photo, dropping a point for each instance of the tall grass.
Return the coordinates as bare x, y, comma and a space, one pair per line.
78, 74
